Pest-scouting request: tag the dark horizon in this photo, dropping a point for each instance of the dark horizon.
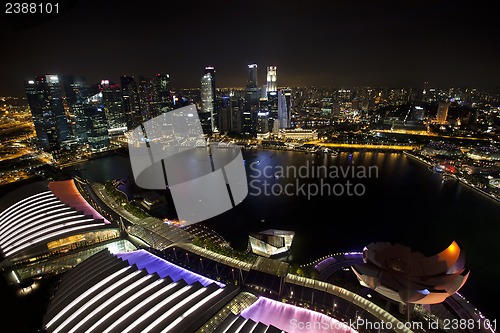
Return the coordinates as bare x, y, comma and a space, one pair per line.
384, 44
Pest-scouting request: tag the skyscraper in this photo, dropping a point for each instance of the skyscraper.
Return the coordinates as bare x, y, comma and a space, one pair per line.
76, 91
217, 99
272, 85
47, 109
130, 101
207, 104
285, 107
252, 76
112, 100
442, 112
162, 95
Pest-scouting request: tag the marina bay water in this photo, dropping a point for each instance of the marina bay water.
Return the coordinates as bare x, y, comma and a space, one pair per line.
398, 200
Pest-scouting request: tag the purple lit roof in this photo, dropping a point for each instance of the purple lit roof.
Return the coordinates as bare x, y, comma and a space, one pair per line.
292, 319
152, 263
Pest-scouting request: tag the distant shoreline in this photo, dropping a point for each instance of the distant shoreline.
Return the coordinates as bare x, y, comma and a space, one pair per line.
490, 196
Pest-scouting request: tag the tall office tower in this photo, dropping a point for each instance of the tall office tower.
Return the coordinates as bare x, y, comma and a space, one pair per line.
262, 122
97, 127
162, 97
112, 100
207, 104
425, 92
225, 114
130, 102
96, 123
47, 109
285, 107
252, 89
442, 112
217, 99
272, 84
252, 76
76, 91
147, 98
211, 70
237, 107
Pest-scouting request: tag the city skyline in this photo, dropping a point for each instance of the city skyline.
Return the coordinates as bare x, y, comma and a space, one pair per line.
383, 44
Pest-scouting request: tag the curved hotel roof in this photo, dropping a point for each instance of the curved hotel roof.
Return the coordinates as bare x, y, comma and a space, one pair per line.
37, 214
136, 291
132, 292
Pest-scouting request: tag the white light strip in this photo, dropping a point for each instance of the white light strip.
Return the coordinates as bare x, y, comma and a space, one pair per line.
15, 223
18, 233
85, 294
18, 212
5, 212
95, 299
155, 308
231, 324
169, 312
191, 310
125, 303
243, 324
31, 211
41, 239
140, 305
101, 307
55, 227
44, 209
254, 326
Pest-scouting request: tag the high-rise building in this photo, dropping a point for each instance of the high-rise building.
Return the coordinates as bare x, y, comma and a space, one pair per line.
112, 100
207, 104
285, 107
97, 126
147, 98
252, 76
442, 112
130, 101
76, 91
272, 85
162, 96
51, 122
217, 99
211, 70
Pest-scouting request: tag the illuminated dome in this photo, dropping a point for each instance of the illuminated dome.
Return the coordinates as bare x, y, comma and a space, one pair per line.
400, 274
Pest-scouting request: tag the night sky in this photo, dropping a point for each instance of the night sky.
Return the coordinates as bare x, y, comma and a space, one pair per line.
346, 43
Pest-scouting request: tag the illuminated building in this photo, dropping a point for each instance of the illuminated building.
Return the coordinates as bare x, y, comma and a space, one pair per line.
405, 276
284, 107
272, 85
130, 101
299, 134
252, 76
47, 109
48, 227
96, 125
162, 93
262, 122
442, 112
208, 103
76, 91
148, 98
271, 242
252, 96
112, 101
